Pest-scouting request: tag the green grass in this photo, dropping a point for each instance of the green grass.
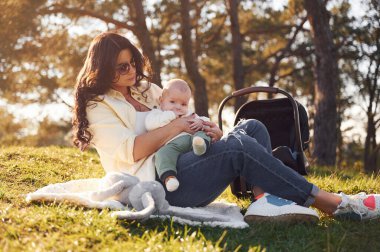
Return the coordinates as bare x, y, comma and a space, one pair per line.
61, 227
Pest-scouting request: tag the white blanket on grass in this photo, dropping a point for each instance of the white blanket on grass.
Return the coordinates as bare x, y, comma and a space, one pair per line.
78, 192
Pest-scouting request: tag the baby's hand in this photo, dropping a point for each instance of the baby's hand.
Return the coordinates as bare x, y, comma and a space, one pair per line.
196, 124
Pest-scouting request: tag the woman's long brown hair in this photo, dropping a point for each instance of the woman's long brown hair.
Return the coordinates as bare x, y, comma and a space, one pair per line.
96, 77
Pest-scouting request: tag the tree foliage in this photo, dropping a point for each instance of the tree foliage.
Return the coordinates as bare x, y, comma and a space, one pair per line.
10, 131
217, 46
365, 70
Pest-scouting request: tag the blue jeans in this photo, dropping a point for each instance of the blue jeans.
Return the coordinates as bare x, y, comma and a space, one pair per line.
245, 151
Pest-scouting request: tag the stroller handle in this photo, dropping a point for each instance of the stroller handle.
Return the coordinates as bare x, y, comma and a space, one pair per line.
298, 143
249, 90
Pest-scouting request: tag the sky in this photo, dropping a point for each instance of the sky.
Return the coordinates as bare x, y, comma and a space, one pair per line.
57, 112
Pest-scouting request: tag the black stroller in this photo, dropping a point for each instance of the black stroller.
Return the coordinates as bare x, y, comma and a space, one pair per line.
287, 124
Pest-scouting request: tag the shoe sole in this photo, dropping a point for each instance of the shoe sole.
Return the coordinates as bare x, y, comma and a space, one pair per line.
285, 218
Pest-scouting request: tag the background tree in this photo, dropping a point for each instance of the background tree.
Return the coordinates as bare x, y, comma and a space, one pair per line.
326, 85
10, 131
343, 33
45, 43
129, 15
191, 61
367, 74
237, 50
357, 42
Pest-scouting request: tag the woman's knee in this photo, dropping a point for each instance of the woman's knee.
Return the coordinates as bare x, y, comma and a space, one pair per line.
251, 125
244, 143
238, 141
259, 131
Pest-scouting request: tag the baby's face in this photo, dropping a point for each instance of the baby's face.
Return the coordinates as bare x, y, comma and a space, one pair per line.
175, 100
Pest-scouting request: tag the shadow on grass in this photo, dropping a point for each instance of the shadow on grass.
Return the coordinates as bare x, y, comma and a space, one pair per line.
329, 233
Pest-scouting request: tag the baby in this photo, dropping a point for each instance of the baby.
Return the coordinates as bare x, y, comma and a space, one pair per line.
173, 104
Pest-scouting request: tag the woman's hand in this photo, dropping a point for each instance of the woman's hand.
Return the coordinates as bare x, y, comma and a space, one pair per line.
212, 130
184, 123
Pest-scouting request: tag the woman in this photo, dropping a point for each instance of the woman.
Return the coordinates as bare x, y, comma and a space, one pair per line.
112, 98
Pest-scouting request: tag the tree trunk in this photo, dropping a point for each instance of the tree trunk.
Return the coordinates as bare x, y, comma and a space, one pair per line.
143, 34
237, 51
200, 92
371, 149
371, 91
339, 144
326, 71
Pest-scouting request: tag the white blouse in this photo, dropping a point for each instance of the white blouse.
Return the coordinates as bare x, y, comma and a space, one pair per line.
140, 127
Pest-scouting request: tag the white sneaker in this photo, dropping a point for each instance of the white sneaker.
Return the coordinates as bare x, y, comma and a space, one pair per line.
359, 207
199, 146
272, 208
172, 184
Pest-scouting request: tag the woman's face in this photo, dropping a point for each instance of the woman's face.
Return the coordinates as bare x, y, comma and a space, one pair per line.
125, 70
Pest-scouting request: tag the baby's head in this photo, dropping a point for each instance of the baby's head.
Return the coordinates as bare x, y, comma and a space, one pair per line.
175, 97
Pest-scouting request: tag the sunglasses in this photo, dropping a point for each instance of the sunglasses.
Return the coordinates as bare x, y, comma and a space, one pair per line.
125, 68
